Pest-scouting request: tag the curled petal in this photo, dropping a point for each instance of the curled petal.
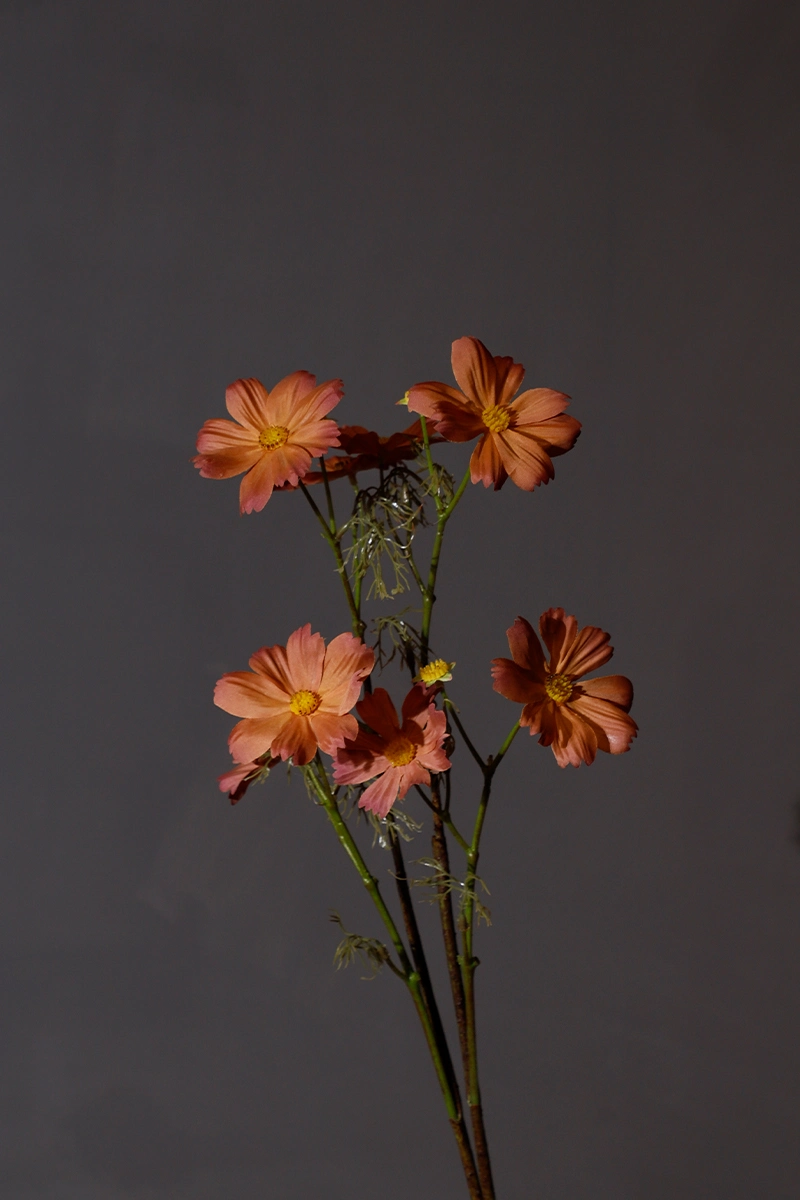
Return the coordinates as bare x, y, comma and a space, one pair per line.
615, 688
347, 663
246, 401
534, 714
558, 633
589, 650
514, 682
525, 647
613, 728
486, 465
305, 654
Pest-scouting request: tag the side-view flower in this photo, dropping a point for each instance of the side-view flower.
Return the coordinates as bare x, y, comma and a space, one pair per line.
518, 437
296, 697
395, 755
273, 435
576, 718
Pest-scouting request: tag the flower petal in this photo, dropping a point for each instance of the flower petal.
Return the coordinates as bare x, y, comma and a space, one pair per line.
414, 775
347, 663
381, 795
305, 655
615, 688
253, 737
243, 694
332, 730
287, 396
572, 739
485, 379
378, 711
614, 730
537, 405
589, 650
246, 401
272, 665
558, 633
361, 759
514, 682
534, 714
434, 759
524, 458
286, 464
526, 649
296, 740
486, 465
558, 434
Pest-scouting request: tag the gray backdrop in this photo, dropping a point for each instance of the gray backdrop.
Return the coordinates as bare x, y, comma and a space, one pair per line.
194, 192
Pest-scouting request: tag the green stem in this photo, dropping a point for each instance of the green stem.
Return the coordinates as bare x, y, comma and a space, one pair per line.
448, 820
411, 975
454, 713
429, 594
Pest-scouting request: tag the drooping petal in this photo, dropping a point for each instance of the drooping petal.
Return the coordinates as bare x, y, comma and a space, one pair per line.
614, 729
305, 655
253, 737
246, 401
486, 465
232, 781
243, 694
296, 740
526, 649
537, 405
381, 795
615, 688
514, 682
476, 371
347, 663
378, 711
332, 730
558, 633
588, 651
524, 458
534, 714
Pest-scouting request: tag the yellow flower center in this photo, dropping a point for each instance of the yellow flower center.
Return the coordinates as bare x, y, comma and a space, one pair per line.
438, 669
558, 687
304, 703
497, 418
400, 751
272, 437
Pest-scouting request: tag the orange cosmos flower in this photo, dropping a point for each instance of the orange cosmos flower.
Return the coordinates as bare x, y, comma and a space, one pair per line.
399, 755
273, 436
518, 437
576, 719
295, 698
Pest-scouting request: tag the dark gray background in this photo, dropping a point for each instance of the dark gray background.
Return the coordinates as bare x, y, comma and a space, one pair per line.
198, 191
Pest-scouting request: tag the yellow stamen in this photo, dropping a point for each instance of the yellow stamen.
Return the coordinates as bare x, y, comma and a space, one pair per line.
497, 418
273, 436
304, 703
400, 751
558, 687
435, 671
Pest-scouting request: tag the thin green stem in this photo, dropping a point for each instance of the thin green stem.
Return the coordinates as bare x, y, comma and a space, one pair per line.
467, 741
429, 594
328, 497
448, 820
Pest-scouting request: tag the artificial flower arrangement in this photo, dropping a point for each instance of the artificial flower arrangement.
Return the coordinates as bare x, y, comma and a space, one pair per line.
317, 707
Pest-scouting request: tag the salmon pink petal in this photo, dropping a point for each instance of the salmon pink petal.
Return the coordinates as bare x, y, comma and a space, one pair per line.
434, 759
286, 464
558, 435
378, 711
417, 701
243, 694
426, 398
514, 682
360, 760
589, 650
486, 465
575, 740
381, 795
413, 775
296, 741
333, 729
615, 688
509, 378
287, 396
232, 781
537, 405
224, 464
476, 371
253, 737
320, 401
305, 655
614, 730
271, 663
221, 436
246, 401
347, 662
459, 422
314, 436
524, 458
525, 647
558, 633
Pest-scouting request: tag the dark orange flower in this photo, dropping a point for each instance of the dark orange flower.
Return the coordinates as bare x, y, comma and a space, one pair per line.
518, 437
576, 719
367, 451
273, 436
295, 697
399, 755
